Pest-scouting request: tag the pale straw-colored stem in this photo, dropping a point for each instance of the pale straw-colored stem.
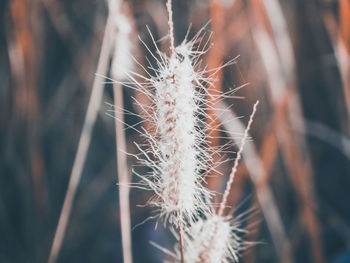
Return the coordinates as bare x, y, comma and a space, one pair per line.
171, 26
258, 174
84, 143
123, 178
235, 165
181, 240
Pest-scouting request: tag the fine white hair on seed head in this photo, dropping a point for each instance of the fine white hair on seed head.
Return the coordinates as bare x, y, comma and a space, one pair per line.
178, 154
177, 148
215, 239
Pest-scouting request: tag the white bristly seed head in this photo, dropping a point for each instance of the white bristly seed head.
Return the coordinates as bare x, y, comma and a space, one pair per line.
177, 152
214, 240
177, 107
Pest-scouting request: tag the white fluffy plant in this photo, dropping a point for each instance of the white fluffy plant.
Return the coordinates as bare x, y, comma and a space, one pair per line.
215, 239
176, 147
178, 155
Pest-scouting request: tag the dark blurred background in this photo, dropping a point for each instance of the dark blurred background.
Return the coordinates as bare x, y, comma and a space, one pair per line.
295, 57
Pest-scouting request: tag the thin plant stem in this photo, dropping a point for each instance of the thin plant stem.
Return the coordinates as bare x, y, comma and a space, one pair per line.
181, 240
235, 166
84, 143
123, 178
259, 176
171, 26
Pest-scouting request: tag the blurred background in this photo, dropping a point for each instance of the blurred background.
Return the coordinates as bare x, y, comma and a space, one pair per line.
293, 57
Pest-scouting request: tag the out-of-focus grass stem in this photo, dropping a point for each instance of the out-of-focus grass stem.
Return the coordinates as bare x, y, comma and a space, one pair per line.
84, 143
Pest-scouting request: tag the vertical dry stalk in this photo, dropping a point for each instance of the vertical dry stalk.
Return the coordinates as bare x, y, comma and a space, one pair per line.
181, 241
171, 26
121, 64
235, 166
258, 175
84, 143
123, 178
